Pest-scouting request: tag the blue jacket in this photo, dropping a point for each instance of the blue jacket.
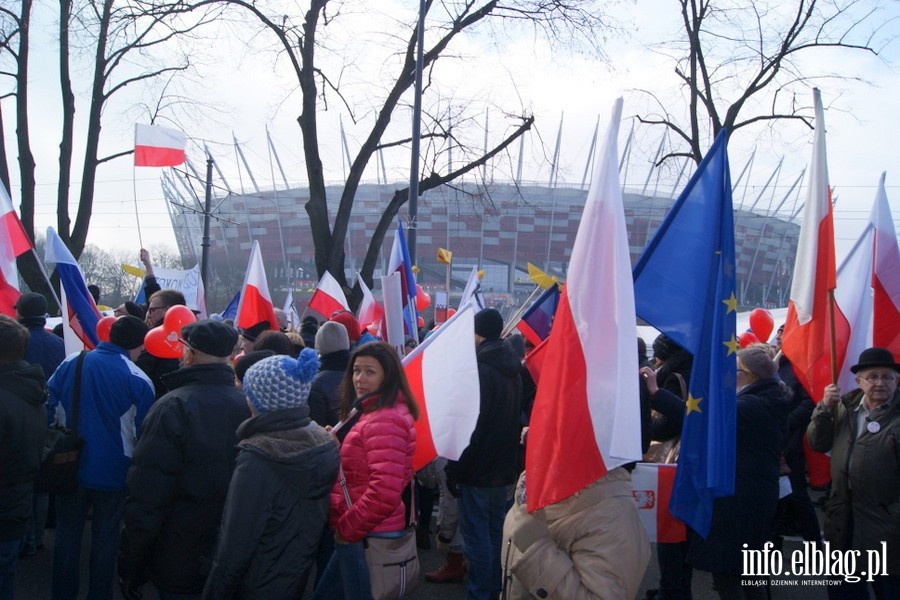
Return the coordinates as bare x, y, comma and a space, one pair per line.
115, 398
44, 347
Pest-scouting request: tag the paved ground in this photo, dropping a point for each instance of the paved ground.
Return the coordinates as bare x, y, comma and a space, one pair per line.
33, 579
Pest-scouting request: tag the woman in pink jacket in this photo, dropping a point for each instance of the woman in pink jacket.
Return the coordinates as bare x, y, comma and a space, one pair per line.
376, 463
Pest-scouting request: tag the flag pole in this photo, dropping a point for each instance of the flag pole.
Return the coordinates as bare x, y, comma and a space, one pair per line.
517, 316
832, 338
47, 279
137, 219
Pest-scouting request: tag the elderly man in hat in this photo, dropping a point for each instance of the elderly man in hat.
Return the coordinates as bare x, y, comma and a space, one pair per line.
861, 429
114, 398
182, 466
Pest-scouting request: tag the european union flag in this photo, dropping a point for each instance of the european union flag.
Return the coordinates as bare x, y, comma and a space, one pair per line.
536, 322
230, 311
684, 286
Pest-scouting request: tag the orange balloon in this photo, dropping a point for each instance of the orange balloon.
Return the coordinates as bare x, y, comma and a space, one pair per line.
163, 344
176, 318
104, 326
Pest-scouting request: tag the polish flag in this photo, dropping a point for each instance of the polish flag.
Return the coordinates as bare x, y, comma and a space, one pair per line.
370, 311
13, 242
586, 421
329, 297
78, 307
886, 275
158, 146
652, 485
443, 376
854, 298
8, 297
256, 301
807, 334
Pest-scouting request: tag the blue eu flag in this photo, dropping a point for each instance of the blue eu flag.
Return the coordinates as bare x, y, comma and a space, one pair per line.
684, 286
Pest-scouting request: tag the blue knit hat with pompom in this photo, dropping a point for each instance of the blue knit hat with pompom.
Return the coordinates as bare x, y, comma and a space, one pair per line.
280, 382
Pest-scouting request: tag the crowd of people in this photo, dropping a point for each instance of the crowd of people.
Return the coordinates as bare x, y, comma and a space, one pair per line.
264, 463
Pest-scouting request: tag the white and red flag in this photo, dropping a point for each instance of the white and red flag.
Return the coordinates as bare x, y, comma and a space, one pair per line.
13, 242
443, 376
652, 488
256, 301
370, 311
885, 276
806, 341
156, 146
329, 297
854, 299
586, 415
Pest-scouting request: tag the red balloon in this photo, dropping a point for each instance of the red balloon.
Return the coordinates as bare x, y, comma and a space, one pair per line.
423, 300
451, 312
762, 323
420, 321
176, 318
104, 326
747, 338
163, 344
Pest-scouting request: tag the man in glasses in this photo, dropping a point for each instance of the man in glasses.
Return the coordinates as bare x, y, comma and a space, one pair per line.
862, 430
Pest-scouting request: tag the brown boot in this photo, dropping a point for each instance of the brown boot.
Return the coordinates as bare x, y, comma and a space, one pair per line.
452, 571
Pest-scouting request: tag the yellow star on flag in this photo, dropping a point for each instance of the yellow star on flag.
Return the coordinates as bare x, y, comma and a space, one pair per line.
731, 303
693, 404
732, 345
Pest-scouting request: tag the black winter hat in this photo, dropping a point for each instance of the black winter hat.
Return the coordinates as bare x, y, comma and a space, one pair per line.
32, 305
128, 332
489, 323
875, 357
210, 337
252, 332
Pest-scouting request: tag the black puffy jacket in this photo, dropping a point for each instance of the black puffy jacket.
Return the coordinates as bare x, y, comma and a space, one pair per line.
179, 478
23, 425
277, 507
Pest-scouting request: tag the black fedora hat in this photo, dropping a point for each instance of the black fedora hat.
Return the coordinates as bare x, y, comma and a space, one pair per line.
875, 357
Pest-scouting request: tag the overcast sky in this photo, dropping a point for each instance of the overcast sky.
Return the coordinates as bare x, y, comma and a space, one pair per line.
522, 74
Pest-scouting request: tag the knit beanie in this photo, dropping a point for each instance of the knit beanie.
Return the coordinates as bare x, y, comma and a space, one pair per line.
280, 382
331, 337
349, 322
756, 360
128, 332
488, 323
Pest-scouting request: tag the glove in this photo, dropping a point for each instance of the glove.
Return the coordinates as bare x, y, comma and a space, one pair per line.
530, 528
452, 472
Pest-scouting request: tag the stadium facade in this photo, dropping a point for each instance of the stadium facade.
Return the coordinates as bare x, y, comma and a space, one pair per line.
499, 227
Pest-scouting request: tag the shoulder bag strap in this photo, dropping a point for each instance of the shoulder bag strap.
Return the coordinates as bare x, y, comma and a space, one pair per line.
682, 385
76, 393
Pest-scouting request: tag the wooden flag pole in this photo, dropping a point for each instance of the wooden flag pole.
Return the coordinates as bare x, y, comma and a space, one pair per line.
832, 338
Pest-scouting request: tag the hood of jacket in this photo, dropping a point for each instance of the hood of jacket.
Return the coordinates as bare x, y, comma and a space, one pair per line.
211, 374
24, 380
301, 450
498, 354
